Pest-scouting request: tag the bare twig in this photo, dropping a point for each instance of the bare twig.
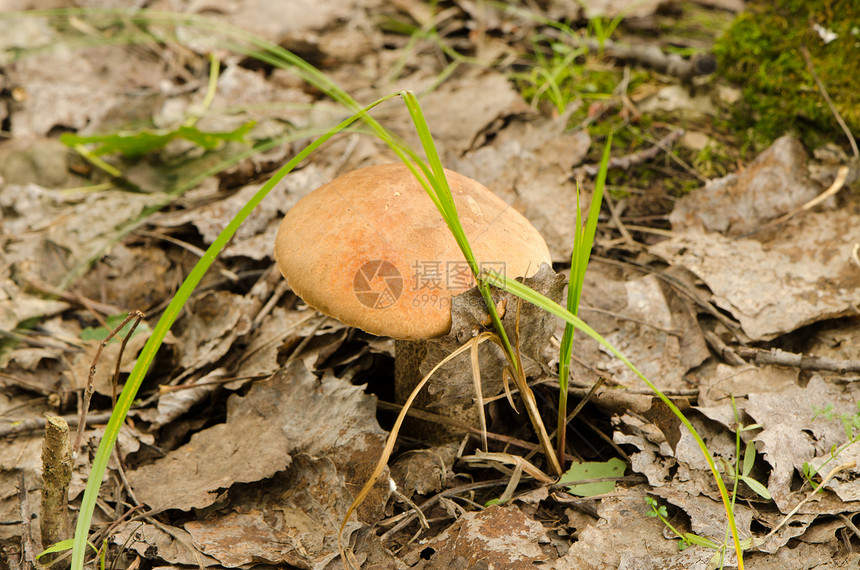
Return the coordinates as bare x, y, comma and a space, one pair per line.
620, 317
833, 473
616, 219
782, 358
850, 524
620, 478
723, 350
56, 476
418, 512
609, 441
594, 388
88, 392
28, 557
35, 424
507, 458
431, 417
436, 498
115, 381
649, 55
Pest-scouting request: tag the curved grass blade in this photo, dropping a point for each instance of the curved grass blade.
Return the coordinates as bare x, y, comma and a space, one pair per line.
554, 308
147, 354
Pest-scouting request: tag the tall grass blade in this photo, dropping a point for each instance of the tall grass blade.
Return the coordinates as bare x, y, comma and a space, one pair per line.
582, 244
550, 306
438, 186
147, 354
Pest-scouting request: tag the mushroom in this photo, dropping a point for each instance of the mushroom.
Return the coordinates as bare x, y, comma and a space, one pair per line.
371, 250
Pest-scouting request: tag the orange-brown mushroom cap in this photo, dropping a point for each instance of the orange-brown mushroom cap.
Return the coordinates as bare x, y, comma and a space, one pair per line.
371, 250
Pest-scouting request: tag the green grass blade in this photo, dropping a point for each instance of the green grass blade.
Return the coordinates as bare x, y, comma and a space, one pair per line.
437, 184
584, 252
554, 308
440, 192
147, 354
582, 244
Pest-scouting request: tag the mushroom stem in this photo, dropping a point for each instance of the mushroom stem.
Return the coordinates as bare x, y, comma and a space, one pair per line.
408, 356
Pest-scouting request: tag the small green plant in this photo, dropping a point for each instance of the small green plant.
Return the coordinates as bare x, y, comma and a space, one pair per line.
582, 244
426, 33
560, 70
552, 73
66, 545
741, 470
602, 30
688, 539
135, 144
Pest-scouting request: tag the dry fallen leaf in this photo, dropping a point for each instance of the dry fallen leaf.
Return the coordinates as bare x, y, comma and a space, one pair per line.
647, 322
803, 275
292, 412
291, 518
213, 323
773, 184
624, 532
173, 545
82, 88
47, 232
255, 236
501, 537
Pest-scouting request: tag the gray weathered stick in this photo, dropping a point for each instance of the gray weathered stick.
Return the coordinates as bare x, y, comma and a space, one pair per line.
56, 476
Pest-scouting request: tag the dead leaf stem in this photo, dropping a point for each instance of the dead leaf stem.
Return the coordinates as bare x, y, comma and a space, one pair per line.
88, 391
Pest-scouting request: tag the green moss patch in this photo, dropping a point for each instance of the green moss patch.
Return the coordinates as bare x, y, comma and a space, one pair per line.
761, 53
